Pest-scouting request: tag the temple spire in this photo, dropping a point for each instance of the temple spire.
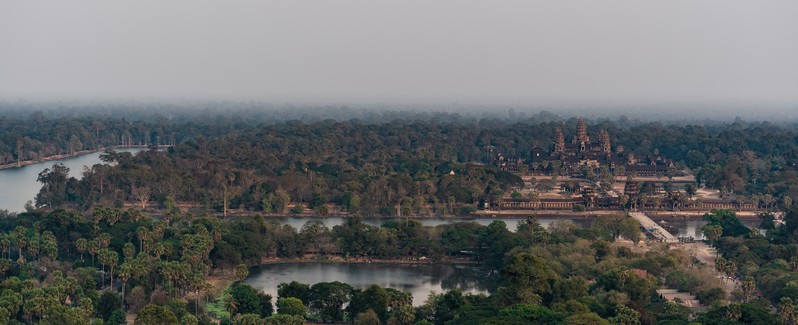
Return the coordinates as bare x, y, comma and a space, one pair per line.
559, 141
581, 133
604, 140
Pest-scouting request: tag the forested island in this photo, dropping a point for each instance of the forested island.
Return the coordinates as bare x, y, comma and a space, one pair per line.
168, 235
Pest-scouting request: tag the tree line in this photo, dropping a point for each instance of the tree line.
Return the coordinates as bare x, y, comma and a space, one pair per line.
402, 167
68, 266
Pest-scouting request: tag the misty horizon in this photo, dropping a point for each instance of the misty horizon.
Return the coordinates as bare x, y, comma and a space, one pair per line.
518, 54
689, 113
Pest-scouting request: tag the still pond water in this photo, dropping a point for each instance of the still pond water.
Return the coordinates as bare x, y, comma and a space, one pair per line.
683, 228
19, 185
419, 280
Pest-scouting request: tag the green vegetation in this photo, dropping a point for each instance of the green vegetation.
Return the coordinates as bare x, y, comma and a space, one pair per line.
142, 234
561, 274
419, 165
151, 263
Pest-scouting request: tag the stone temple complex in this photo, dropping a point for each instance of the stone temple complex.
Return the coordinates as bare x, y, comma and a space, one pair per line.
582, 154
571, 157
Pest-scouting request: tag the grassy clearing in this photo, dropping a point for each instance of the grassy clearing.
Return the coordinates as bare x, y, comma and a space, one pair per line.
216, 309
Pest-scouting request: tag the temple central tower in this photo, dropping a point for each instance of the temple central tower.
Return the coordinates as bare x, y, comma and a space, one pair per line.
581, 133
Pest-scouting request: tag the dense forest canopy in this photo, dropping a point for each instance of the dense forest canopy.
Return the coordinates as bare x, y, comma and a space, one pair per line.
158, 269
235, 162
117, 241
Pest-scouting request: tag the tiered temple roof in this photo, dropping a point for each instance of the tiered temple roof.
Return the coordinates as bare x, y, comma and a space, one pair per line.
580, 151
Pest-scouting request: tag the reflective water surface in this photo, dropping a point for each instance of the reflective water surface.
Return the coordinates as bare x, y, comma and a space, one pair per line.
19, 185
419, 280
512, 223
692, 228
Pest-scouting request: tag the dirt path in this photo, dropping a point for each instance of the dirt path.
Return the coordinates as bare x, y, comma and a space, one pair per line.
701, 251
707, 254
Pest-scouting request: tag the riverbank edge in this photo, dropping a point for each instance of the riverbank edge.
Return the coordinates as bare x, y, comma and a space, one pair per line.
363, 260
65, 156
554, 214
226, 278
519, 215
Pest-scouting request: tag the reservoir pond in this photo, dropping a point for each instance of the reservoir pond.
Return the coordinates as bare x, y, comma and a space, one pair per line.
418, 279
680, 228
19, 185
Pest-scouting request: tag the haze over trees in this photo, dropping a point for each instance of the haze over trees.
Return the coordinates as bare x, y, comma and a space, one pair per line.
118, 240
233, 163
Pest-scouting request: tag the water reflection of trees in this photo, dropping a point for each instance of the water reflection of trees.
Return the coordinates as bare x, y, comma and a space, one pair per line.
692, 227
464, 278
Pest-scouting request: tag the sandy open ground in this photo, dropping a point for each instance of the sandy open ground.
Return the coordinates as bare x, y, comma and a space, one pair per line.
707, 193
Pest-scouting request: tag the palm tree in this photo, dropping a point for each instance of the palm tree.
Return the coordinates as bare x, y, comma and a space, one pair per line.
87, 305
139, 267
168, 271
158, 250
5, 244
112, 259
93, 247
50, 249
749, 288
733, 312
730, 269
157, 229
197, 282
33, 247
103, 256
129, 251
141, 232
8, 247
124, 275
626, 316
623, 274
230, 304
104, 240
82, 245
712, 232
21, 237
113, 217
70, 286
724, 266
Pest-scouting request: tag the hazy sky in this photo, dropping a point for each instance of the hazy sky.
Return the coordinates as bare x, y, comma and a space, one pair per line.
403, 51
